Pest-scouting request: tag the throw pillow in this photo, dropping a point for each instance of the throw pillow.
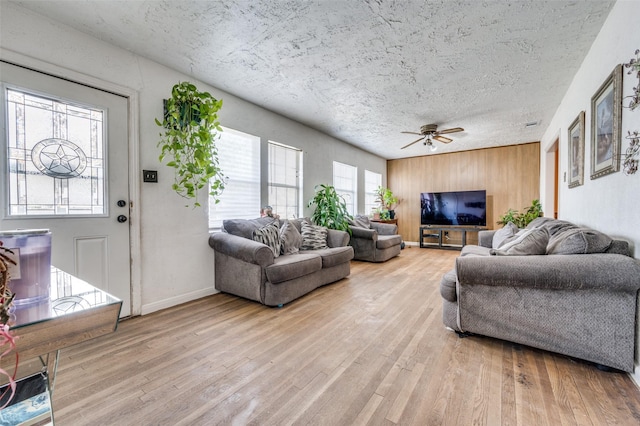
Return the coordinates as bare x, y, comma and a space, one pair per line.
538, 221
290, 239
245, 227
532, 242
579, 241
360, 222
499, 238
270, 236
557, 226
313, 237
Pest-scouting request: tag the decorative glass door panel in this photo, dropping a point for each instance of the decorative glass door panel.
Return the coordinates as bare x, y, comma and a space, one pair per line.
56, 156
65, 160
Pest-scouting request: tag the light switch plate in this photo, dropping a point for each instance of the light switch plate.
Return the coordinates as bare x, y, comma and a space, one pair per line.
150, 176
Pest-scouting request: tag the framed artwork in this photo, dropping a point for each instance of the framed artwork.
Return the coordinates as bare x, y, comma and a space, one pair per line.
576, 151
606, 123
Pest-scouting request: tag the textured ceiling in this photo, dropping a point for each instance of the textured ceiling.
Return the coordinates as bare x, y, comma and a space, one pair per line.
365, 70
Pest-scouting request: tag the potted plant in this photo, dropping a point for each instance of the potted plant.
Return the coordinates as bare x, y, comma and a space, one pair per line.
387, 201
190, 129
522, 219
331, 209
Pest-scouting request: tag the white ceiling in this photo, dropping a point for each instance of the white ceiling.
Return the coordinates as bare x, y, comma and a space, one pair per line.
365, 70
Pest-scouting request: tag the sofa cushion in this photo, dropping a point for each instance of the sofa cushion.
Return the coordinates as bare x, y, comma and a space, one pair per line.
313, 237
509, 230
333, 256
293, 266
269, 235
360, 221
290, 238
531, 242
386, 241
579, 241
448, 286
245, 227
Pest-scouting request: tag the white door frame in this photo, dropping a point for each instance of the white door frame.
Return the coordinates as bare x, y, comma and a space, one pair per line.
134, 150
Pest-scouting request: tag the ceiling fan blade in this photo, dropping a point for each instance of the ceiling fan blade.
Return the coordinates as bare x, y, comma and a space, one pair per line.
442, 139
408, 145
412, 133
453, 130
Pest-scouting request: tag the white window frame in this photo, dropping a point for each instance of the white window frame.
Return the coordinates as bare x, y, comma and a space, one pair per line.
372, 181
285, 176
239, 159
345, 181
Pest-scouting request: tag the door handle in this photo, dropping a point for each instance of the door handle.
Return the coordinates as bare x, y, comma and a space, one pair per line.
121, 203
122, 218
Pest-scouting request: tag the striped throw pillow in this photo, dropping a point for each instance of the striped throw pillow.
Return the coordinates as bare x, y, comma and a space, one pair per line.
313, 237
270, 236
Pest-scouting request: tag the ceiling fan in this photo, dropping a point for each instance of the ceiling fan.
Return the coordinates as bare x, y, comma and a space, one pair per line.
429, 132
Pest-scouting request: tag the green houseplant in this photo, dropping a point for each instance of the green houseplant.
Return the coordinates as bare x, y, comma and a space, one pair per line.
522, 219
331, 209
190, 129
387, 201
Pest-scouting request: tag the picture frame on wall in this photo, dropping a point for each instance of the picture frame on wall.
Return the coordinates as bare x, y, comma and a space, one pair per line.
576, 151
606, 124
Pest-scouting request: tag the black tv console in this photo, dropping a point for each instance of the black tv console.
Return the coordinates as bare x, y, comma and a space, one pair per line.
437, 236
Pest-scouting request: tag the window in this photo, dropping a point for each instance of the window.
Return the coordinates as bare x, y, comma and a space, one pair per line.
285, 164
372, 181
239, 156
345, 183
56, 157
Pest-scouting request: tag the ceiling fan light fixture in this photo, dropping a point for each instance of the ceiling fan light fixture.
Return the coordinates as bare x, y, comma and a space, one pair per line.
429, 131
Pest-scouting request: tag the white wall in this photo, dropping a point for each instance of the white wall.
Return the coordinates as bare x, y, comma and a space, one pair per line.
610, 203
175, 263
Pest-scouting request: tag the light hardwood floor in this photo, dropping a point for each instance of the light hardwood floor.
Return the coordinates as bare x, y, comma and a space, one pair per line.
370, 349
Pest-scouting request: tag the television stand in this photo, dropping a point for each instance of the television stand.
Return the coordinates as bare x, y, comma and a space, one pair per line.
439, 236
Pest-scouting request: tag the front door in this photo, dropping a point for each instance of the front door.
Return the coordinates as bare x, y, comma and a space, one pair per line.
65, 167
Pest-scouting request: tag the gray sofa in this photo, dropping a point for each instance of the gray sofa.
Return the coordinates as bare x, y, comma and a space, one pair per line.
560, 288
250, 269
374, 241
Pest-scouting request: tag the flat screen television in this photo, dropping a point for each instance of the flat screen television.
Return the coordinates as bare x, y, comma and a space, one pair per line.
456, 208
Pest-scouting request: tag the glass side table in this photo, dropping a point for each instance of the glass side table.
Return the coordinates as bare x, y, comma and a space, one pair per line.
75, 312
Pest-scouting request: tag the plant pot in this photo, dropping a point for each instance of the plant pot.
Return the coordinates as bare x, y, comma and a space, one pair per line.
376, 216
392, 214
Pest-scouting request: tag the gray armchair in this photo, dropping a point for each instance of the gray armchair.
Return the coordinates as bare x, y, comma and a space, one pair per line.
374, 241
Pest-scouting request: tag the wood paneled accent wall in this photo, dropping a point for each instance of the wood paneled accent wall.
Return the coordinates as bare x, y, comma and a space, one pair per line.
510, 175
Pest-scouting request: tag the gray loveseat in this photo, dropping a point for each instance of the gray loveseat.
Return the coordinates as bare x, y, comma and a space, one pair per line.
560, 288
374, 241
250, 269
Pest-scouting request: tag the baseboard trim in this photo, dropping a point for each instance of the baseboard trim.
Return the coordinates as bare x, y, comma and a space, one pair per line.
173, 301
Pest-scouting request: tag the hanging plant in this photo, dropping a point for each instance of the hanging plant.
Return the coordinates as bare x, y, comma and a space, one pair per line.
191, 128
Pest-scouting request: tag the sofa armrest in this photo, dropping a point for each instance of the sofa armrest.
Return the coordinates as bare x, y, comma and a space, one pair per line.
241, 248
385, 228
364, 233
559, 272
336, 238
485, 238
